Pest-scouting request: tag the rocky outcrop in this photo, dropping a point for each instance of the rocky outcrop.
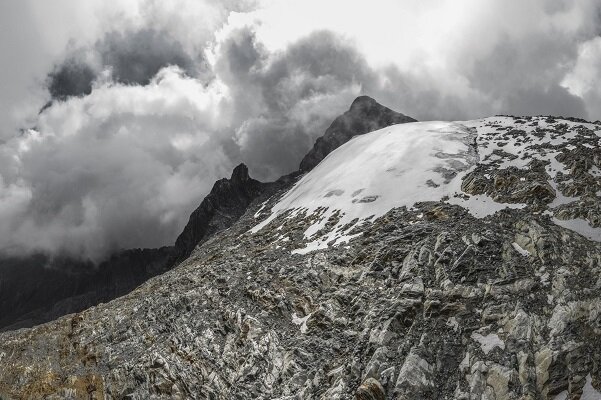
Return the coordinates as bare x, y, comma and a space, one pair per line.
371, 389
365, 115
226, 202
512, 185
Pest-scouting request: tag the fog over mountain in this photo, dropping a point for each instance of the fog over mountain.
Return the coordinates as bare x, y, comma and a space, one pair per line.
116, 118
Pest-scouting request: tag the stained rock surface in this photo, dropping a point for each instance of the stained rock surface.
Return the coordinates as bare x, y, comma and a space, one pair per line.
491, 292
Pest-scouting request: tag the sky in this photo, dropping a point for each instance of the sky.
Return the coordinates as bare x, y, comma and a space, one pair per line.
116, 118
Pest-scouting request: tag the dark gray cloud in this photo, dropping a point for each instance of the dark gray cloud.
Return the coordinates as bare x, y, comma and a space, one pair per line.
584, 80
136, 56
525, 78
283, 102
72, 78
554, 100
133, 57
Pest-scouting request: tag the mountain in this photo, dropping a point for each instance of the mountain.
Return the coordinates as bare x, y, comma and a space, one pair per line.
365, 115
226, 202
427, 260
39, 288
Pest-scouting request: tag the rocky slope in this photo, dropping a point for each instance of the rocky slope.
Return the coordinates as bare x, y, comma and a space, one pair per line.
39, 288
474, 273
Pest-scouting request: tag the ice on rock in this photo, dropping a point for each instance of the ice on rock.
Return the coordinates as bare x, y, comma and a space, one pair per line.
488, 342
580, 226
296, 320
588, 392
520, 249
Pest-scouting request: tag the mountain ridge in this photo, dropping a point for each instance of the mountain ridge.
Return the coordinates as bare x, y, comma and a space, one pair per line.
470, 270
71, 285
25, 301
364, 115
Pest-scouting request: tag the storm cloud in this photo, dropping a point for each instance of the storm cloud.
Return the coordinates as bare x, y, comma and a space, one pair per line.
153, 103
131, 57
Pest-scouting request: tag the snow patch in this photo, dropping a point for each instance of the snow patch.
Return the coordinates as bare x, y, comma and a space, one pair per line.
488, 342
296, 320
481, 205
580, 226
263, 205
423, 161
520, 249
588, 392
453, 323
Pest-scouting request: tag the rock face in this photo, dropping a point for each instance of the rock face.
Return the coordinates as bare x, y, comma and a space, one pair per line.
37, 289
227, 201
486, 293
365, 115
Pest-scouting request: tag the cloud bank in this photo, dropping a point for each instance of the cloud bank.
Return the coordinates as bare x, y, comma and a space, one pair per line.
145, 104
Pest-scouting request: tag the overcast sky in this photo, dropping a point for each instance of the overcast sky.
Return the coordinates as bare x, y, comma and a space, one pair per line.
117, 117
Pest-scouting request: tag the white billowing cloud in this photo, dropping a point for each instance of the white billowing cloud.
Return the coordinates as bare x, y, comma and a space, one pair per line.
584, 80
35, 35
118, 168
153, 101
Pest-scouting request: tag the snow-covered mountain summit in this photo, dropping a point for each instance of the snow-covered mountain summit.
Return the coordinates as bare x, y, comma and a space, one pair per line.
373, 173
482, 165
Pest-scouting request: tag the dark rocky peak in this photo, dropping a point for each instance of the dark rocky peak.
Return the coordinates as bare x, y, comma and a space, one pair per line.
363, 103
365, 115
240, 175
226, 202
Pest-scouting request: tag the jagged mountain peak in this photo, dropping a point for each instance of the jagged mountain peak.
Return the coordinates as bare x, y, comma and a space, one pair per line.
364, 115
240, 174
226, 202
364, 102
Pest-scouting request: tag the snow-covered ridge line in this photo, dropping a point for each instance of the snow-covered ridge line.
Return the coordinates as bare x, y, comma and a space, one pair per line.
423, 161
373, 173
